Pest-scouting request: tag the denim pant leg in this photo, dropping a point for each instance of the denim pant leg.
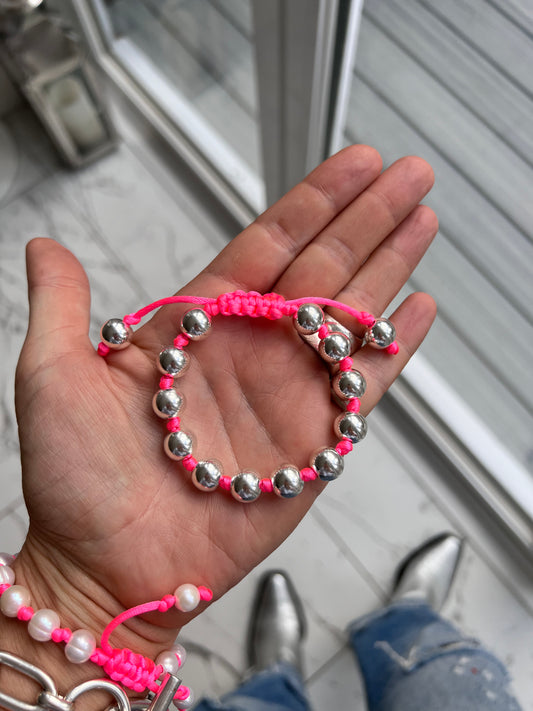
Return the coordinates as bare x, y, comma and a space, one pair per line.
280, 688
413, 660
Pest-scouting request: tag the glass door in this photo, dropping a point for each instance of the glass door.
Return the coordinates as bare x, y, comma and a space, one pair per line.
446, 80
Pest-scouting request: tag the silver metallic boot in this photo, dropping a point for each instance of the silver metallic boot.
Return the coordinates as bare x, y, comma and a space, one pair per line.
428, 572
277, 625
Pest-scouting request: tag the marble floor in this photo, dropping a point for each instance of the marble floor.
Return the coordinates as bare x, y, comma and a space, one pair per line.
116, 215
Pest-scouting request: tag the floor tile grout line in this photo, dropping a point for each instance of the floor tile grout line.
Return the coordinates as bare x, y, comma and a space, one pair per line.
350, 556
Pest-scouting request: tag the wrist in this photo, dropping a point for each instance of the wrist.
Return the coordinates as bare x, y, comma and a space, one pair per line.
54, 582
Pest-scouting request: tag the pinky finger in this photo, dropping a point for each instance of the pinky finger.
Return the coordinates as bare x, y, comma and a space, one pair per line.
412, 320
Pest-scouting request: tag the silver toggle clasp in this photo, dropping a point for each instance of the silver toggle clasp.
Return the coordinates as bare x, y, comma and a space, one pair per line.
159, 701
165, 693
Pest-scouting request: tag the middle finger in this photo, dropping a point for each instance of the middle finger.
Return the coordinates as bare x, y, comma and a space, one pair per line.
332, 259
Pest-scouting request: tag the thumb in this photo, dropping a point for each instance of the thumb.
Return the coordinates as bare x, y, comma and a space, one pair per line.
59, 297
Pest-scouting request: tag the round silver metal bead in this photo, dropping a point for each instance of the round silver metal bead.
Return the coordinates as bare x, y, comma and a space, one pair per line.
196, 324
348, 384
335, 327
328, 464
308, 319
287, 482
173, 361
115, 334
178, 445
334, 347
351, 425
206, 475
380, 335
167, 403
245, 487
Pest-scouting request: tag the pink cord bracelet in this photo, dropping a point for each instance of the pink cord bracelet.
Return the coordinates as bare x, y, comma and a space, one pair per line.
130, 669
333, 342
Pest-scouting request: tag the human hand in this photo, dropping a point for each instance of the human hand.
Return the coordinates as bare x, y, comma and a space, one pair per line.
113, 521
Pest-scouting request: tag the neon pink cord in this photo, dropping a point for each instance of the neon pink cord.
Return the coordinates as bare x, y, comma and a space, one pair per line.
251, 303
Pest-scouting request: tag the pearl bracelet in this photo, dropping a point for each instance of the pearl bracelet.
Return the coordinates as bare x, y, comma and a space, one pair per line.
130, 669
331, 340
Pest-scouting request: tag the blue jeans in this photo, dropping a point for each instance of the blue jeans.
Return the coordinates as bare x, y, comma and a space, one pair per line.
411, 660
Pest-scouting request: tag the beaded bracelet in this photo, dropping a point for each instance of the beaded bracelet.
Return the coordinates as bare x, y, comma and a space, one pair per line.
122, 665
331, 340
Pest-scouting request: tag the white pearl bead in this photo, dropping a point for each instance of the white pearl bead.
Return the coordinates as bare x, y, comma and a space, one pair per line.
7, 575
42, 624
184, 703
180, 652
169, 661
80, 646
187, 597
6, 558
13, 599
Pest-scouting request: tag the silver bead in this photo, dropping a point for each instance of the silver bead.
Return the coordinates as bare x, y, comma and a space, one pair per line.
328, 463
335, 327
206, 475
351, 425
196, 324
245, 487
173, 361
80, 646
308, 319
334, 348
348, 384
178, 445
380, 335
167, 403
115, 334
287, 482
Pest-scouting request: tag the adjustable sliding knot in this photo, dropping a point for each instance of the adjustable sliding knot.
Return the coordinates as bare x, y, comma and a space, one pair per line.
130, 669
251, 303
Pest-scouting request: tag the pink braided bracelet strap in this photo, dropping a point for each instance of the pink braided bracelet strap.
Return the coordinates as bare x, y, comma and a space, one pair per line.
333, 342
132, 670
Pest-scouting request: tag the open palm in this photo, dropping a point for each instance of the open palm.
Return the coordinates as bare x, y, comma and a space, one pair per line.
103, 498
